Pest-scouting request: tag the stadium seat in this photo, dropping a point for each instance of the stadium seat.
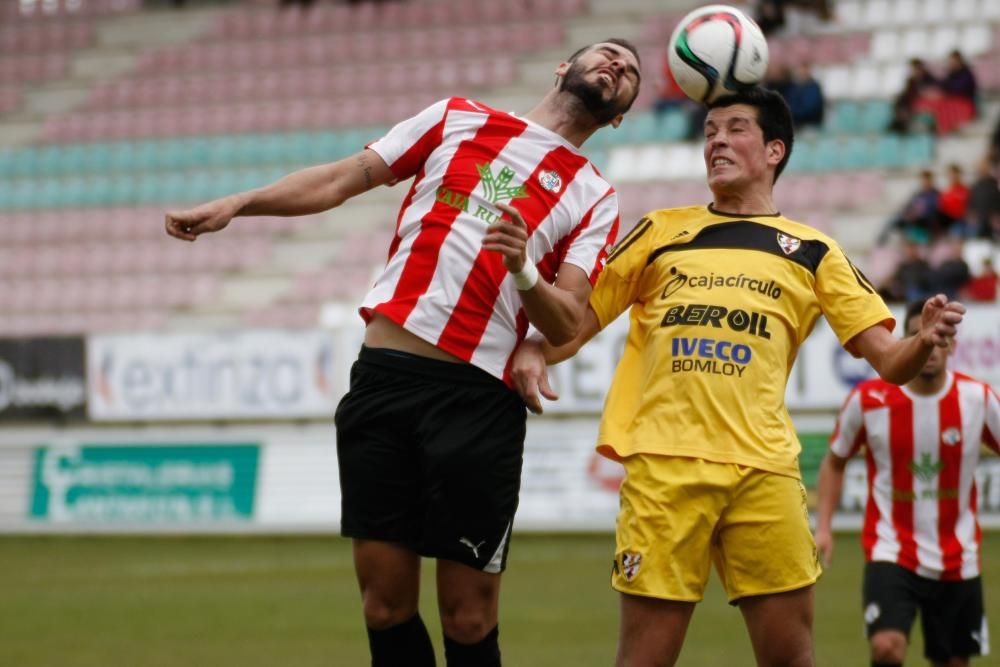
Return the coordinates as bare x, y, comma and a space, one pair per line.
875, 116
844, 117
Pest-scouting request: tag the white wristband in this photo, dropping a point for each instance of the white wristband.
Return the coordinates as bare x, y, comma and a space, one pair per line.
526, 278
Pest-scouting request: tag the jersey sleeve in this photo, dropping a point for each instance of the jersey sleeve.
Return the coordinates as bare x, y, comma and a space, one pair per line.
849, 433
407, 145
618, 285
590, 242
848, 300
991, 429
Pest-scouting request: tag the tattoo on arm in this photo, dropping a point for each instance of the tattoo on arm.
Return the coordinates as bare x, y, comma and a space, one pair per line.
363, 163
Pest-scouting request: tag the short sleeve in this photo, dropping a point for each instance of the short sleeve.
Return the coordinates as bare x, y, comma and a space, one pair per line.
849, 432
848, 300
408, 144
618, 286
591, 241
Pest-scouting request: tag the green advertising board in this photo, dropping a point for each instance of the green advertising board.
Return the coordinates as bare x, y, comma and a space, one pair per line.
144, 483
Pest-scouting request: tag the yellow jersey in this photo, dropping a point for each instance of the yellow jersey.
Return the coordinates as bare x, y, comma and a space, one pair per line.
719, 306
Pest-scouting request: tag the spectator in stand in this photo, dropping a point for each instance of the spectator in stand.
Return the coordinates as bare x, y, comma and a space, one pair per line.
953, 200
918, 82
982, 287
805, 97
959, 80
984, 203
952, 102
919, 217
770, 16
913, 277
950, 272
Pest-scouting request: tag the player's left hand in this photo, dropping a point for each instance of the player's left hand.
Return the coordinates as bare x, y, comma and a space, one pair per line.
939, 320
530, 375
509, 236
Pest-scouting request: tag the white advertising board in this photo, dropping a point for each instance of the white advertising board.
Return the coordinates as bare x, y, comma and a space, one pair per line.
231, 375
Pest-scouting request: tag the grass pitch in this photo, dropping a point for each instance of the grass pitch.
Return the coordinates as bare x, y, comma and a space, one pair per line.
220, 601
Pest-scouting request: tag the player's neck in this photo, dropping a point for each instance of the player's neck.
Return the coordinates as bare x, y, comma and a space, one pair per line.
759, 203
573, 124
928, 386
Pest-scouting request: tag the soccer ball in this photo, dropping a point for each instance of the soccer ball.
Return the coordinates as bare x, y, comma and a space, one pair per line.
716, 50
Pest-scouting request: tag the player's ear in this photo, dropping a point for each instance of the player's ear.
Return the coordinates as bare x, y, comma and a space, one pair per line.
775, 151
617, 120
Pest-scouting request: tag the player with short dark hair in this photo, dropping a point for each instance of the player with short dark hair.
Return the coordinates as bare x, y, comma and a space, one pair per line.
720, 298
921, 533
506, 224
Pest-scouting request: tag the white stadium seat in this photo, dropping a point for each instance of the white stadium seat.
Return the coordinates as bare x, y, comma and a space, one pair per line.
975, 39
904, 12
893, 78
943, 41
848, 13
876, 12
836, 80
885, 45
865, 81
966, 10
935, 12
914, 44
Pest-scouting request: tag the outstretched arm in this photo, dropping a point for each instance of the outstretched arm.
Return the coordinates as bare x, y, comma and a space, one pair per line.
899, 360
529, 370
828, 489
306, 191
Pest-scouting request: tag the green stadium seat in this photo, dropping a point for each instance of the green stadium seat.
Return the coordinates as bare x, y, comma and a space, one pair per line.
49, 161
674, 125
26, 162
854, 153
826, 154
74, 160
875, 116
122, 156
98, 158
223, 151
802, 156
196, 151
844, 118
643, 128
888, 151
918, 150
8, 162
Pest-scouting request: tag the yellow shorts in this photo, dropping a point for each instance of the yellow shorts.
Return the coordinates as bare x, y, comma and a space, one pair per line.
679, 514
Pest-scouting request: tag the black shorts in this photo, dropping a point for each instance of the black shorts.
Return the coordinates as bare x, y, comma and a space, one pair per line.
951, 612
430, 456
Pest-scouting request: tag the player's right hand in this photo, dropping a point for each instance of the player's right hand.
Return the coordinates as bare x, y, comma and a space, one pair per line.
531, 376
211, 217
824, 547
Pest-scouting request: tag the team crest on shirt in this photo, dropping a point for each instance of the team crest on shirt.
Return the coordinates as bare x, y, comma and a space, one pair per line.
550, 180
630, 565
951, 436
788, 244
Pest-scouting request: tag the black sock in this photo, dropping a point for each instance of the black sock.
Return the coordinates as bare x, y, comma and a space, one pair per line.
403, 645
876, 663
484, 653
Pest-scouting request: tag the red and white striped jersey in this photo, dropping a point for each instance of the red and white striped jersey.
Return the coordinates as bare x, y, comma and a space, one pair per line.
438, 282
921, 453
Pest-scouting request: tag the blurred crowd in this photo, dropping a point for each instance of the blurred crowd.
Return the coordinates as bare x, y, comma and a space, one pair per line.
938, 103
933, 230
